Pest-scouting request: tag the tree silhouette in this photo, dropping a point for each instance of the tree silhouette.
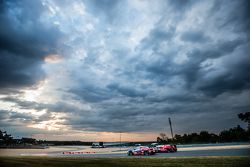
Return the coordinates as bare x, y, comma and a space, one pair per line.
235, 134
245, 117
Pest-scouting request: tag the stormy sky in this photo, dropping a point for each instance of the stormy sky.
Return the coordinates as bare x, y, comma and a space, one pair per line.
89, 69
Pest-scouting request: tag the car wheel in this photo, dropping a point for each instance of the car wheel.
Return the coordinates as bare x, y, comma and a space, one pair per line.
130, 153
146, 153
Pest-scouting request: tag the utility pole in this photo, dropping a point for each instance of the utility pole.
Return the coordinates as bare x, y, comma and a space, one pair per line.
169, 120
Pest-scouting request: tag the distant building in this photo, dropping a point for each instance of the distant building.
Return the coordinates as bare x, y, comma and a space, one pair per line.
97, 145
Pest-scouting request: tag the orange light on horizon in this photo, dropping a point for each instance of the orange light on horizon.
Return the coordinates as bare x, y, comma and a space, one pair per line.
53, 58
99, 136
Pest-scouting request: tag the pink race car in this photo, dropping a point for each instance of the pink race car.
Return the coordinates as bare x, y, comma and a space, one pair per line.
166, 148
141, 150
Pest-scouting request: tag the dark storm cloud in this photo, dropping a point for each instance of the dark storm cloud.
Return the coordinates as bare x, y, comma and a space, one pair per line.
235, 78
161, 63
245, 16
191, 70
104, 5
15, 115
91, 94
12, 118
18, 71
126, 91
194, 36
156, 37
23, 104
114, 120
3, 114
24, 42
134, 119
181, 4
197, 95
108, 10
162, 67
58, 107
195, 70
237, 20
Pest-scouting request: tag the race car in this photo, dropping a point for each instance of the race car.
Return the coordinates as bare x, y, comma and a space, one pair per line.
166, 148
141, 150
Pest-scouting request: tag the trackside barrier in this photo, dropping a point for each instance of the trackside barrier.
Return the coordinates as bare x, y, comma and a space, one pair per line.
73, 152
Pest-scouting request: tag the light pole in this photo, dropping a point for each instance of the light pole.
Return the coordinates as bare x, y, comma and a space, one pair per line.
169, 120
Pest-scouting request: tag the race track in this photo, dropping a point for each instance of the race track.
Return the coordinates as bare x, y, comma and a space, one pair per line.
86, 151
193, 153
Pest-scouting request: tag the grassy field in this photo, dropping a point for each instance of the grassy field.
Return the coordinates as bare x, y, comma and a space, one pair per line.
123, 162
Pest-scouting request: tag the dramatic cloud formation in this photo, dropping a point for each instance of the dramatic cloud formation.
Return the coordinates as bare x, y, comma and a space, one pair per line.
98, 67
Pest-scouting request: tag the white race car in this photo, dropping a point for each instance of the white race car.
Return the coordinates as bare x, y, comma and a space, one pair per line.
141, 150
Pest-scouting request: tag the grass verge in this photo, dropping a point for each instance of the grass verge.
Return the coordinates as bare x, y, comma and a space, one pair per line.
123, 162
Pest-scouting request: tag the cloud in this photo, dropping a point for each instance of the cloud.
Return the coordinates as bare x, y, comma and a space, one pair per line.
12, 118
234, 76
127, 65
91, 94
180, 4
194, 36
105, 9
24, 42
126, 91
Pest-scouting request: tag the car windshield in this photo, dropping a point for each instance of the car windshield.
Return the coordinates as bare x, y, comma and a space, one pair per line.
137, 148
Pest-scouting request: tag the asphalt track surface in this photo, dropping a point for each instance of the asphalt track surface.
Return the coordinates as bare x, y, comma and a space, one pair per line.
193, 153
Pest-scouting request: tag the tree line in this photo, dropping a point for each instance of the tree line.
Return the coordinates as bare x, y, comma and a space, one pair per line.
235, 134
7, 141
